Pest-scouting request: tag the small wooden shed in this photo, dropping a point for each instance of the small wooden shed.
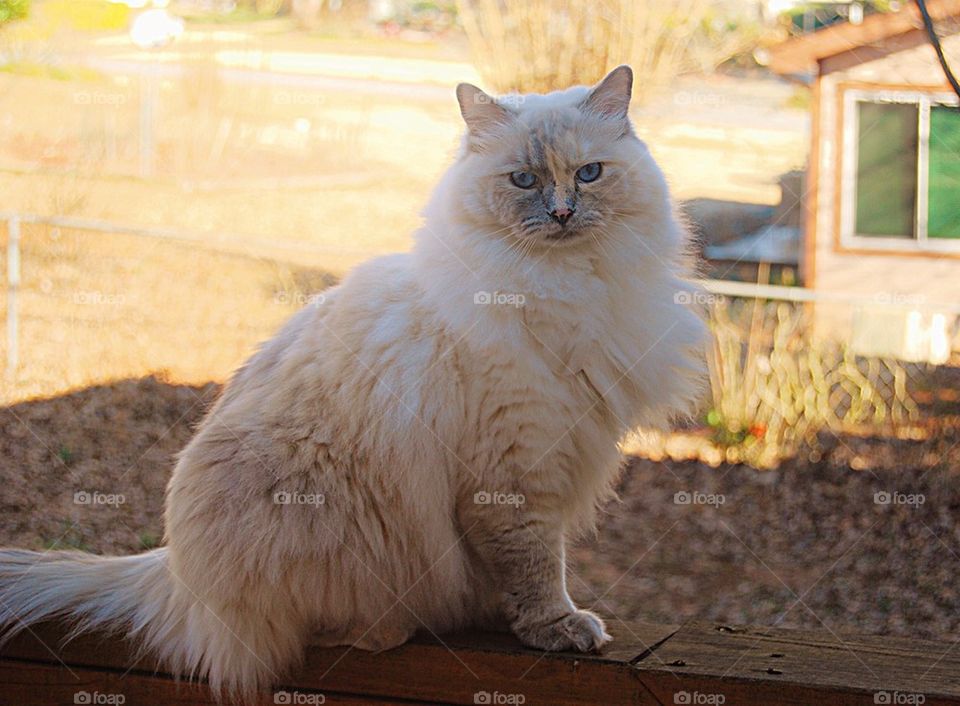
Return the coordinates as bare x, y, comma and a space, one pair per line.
882, 205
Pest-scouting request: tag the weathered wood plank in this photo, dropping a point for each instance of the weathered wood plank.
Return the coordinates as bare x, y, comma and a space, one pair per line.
648, 664
44, 684
456, 669
463, 668
761, 665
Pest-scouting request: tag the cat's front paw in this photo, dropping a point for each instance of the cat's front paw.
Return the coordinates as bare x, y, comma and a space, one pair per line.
580, 631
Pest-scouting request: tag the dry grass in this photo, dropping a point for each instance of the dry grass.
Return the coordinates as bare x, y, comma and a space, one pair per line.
295, 210
102, 307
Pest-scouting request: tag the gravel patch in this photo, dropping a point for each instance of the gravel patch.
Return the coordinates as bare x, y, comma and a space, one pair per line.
813, 544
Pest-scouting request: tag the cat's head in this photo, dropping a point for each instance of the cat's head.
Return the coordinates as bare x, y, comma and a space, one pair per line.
553, 168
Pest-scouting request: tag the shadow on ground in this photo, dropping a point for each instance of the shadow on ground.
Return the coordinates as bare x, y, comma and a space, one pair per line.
117, 439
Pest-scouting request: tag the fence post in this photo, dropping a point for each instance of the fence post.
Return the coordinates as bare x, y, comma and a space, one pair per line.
149, 96
13, 288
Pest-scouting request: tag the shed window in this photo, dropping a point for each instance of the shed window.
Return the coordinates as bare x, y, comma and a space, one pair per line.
902, 171
886, 169
943, 220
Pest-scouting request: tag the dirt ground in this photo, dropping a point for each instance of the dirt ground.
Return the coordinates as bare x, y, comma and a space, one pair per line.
863, 535
810, 545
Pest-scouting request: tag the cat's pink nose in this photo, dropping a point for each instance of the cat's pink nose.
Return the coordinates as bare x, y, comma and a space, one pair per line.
561, 214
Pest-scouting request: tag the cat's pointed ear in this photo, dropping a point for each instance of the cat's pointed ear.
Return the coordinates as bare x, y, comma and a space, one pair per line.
611, 97
480, 112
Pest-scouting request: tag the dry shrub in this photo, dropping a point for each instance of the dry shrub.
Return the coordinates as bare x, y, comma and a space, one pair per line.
540, 45
774, 388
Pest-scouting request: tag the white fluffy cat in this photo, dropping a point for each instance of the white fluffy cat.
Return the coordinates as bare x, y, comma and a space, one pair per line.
411, 452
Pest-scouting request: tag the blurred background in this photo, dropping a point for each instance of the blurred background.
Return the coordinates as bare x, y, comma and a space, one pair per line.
177, 178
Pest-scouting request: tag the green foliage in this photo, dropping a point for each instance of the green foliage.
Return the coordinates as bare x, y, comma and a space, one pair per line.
426, 16
70, 538
800, 99
13, 10
149, 540
66, 455
815, 16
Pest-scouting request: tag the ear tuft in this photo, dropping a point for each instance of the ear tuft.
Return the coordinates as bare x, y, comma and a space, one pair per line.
480, 111
611, 97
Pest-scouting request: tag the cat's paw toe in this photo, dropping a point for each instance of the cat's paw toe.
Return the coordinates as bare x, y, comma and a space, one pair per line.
585, 630
580, 631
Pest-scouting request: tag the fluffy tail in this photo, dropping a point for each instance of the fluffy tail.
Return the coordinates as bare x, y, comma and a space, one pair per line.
140, 597
90, 592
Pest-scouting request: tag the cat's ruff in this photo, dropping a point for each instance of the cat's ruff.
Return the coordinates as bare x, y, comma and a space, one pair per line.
411, 452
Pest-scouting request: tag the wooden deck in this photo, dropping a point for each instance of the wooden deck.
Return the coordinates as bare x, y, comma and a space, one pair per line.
647, 664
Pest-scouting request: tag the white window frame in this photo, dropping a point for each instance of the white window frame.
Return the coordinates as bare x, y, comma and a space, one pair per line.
848, 191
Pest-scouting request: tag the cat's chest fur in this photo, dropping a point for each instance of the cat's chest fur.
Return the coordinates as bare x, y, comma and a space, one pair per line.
568, 326
550, 372
540, 408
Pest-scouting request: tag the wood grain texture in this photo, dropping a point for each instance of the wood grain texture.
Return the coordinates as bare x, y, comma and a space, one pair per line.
759, 665
30, 683
647, 664
455, 669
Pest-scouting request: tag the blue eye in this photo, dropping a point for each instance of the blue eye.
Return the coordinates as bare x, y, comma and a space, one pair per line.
589, 172
524, 180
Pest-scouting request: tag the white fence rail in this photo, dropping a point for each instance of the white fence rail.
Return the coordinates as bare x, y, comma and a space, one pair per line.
751, 290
